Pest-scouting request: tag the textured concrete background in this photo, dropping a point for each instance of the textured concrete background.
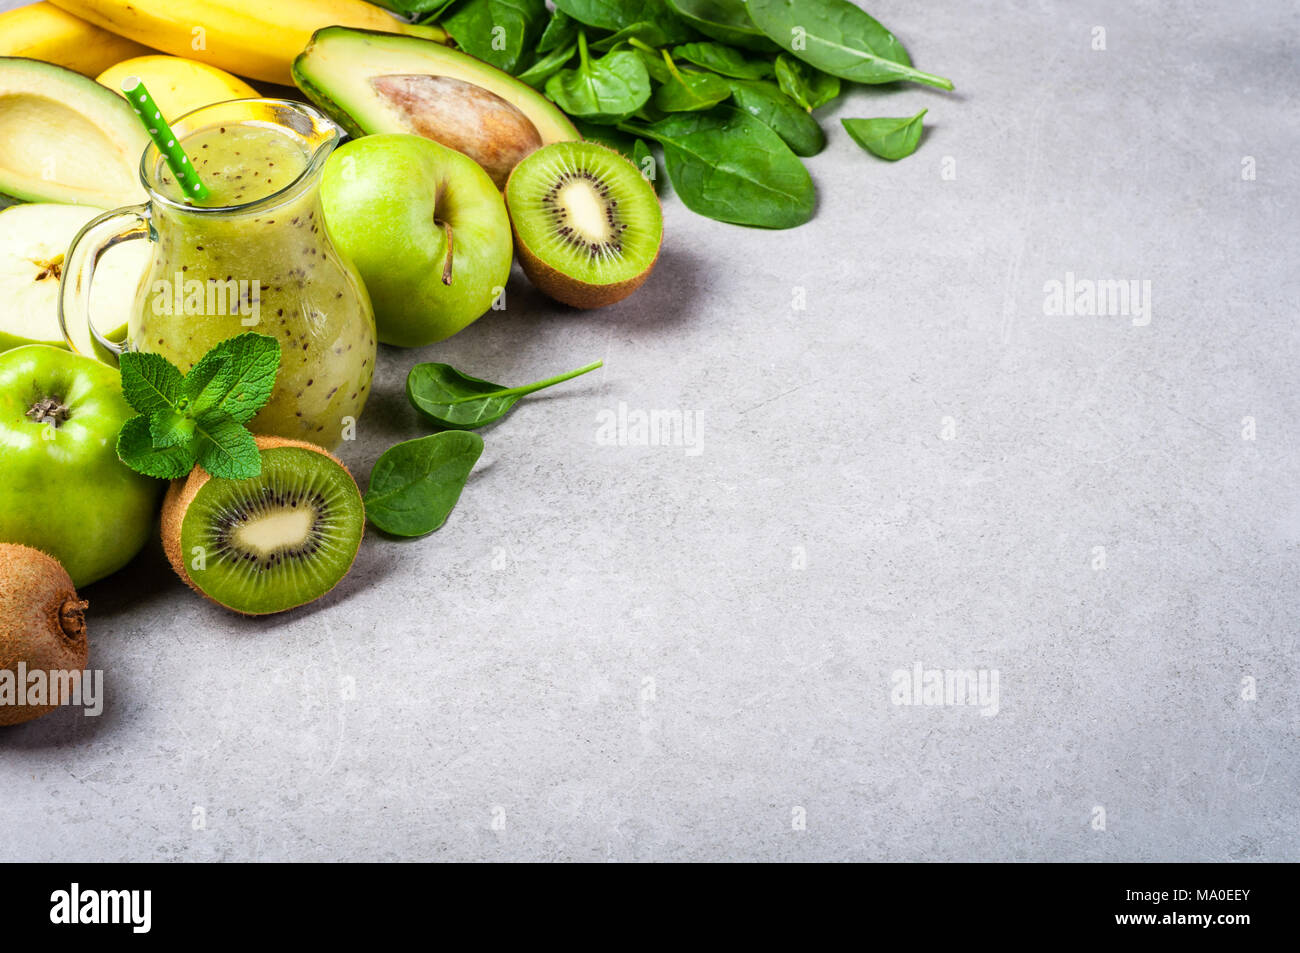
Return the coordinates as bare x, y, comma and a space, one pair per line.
635, 653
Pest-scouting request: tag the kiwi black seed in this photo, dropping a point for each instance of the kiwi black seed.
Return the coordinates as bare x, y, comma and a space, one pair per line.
272, 542
587, 223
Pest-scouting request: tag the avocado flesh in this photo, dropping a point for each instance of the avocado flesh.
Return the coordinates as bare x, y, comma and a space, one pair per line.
379, 83
64, 138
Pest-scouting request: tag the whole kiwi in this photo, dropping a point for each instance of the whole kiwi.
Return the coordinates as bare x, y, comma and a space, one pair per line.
42, 623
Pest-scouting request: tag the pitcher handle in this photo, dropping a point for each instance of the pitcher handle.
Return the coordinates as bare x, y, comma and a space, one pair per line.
99, 235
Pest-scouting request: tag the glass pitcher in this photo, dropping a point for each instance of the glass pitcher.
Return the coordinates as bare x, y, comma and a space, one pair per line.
261, 261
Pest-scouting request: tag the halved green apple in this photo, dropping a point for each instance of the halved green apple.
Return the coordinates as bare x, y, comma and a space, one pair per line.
380, 82
33, 242
65, 138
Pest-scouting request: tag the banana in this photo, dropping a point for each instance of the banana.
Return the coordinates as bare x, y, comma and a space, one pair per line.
255, 38
178, 85
41, 31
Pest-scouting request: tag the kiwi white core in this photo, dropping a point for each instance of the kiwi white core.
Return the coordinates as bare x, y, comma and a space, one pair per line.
587, 212
275, 532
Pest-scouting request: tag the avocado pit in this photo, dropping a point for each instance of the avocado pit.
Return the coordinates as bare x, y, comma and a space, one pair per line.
489, 129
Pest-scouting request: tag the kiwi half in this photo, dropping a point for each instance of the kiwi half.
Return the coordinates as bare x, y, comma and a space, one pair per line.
272, 542
587, 223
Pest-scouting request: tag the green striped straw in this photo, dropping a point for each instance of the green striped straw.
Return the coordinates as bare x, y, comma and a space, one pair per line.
163, 137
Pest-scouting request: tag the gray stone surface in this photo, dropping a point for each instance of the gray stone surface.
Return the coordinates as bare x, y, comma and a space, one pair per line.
639, 653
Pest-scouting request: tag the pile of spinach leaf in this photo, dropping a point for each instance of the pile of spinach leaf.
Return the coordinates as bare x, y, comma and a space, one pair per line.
725, 88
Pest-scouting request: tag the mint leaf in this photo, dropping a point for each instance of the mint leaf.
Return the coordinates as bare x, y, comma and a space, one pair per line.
198, 418
135, 448
205, 384
225, 448
254, 360
150, 382
170, 429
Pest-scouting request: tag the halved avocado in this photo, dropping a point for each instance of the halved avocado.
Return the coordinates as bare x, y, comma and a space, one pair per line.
65, 138
372, 82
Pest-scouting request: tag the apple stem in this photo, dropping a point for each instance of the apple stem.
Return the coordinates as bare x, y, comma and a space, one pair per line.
446, 266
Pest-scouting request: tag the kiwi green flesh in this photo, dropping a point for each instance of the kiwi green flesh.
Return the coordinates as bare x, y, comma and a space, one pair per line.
585, 211
277, 540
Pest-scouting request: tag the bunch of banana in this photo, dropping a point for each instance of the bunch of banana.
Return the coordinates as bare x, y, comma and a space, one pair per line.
41, 31
255, 38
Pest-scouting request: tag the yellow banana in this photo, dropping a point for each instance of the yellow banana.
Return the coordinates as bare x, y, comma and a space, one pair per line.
41, 31
178, 85
256, 38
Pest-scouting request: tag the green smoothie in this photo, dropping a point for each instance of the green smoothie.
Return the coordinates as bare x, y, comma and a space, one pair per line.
255, 256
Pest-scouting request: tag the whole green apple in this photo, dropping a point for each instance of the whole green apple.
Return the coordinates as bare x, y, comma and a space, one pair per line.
62, 488
425, 227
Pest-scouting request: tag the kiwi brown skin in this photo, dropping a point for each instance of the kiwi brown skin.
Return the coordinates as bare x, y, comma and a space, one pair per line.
569, 290
181, 494
42, 621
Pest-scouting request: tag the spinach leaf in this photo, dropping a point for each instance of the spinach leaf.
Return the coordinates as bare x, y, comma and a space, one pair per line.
607, 136
653, 62
838, 38
410, 8
890, 139
415, 484
499, 32
722, 59
644, 159
807, 86
689, 91
615, 15
546, 67
458, 401
766, 103
559, 33
431, 10
607, 89
725, 20
729, 166
649, 33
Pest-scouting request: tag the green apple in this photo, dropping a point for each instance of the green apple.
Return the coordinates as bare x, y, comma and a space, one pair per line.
425, 227
62, 488
33, 241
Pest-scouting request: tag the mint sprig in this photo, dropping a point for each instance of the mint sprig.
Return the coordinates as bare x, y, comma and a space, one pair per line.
198, 419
